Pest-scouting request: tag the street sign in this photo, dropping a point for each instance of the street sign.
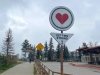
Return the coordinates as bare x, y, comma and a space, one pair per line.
39, 47
61, 18
61, 38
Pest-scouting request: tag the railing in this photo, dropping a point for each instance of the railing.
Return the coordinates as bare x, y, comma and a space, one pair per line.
41, 69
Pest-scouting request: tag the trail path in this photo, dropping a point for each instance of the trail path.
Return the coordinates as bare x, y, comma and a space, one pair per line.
21, 69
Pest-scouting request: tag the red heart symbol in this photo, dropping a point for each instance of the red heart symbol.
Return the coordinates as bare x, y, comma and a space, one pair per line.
62, 17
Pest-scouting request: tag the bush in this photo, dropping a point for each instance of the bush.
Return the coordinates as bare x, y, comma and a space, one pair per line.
3, 61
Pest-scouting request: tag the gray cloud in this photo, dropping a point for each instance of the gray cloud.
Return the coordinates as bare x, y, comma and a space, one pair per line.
29, 19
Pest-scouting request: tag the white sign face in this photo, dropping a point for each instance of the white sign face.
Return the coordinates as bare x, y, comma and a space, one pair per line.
61, 18
61, 38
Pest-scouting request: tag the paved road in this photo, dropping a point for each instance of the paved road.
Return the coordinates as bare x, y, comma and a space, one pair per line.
21, 69
69, 69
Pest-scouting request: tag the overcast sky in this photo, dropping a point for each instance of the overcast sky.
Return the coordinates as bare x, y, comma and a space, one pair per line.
29, 19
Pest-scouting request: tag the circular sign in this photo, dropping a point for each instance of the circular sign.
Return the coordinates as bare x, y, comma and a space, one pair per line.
61, 18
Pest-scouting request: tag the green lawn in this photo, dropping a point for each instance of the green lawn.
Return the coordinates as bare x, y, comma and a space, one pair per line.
6, 67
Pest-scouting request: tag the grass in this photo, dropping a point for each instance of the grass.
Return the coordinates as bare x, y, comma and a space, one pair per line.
1, 71
6, 67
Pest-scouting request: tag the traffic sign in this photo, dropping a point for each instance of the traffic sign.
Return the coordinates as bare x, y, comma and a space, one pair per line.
61, 18
39, 47
61, 38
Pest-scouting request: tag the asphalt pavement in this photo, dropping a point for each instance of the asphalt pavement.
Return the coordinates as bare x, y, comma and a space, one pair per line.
21, 69
27, 69
70, 69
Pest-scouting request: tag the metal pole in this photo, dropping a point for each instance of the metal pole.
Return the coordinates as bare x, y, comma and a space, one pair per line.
61, 58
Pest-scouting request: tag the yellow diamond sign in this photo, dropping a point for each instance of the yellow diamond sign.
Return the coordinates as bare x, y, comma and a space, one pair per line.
39, 46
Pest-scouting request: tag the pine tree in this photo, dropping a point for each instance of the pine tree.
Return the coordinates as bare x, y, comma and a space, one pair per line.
31, 52
51, 50
45, 50
34, 52
58, 51
66, 53
25, 47
8, 46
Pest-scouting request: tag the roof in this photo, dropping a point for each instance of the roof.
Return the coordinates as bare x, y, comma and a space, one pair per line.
95, 49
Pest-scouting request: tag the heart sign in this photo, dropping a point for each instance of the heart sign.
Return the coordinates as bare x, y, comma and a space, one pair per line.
62, 18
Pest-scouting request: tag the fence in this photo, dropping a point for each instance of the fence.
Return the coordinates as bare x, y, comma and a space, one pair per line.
41, 69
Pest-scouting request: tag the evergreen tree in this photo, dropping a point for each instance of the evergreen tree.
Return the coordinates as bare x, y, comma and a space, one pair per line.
66, 53
72, 56
58, 51
51, 50
8, 46
31, 52
45, 50
39, 54
34, 52
25, 47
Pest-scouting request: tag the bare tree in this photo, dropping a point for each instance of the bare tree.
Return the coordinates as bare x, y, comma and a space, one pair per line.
84, 45
91, 44
7, 47
96, 43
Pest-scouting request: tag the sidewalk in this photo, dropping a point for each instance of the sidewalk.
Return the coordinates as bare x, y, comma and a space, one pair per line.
78, 64
73, 70
21, 69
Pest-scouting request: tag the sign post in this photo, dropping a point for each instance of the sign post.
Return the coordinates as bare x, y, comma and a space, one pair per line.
61, 18
61, 58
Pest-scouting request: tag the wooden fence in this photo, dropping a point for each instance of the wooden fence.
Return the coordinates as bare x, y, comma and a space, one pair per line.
41, 69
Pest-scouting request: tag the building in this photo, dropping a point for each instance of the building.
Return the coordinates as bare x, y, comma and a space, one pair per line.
74, 56
89, 55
